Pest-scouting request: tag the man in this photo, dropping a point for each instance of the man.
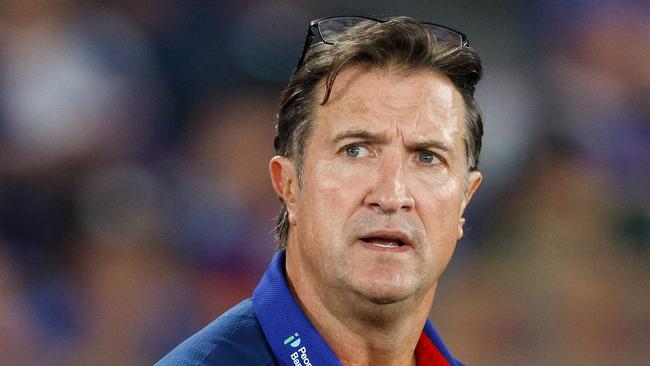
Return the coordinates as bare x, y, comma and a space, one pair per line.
378, 139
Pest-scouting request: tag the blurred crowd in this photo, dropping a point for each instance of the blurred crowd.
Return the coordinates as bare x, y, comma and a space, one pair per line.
135, 204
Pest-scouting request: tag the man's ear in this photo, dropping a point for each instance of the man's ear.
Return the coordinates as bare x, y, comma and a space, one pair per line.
285, 182
474, 179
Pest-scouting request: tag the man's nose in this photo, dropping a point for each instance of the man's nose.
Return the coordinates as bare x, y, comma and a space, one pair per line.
390, 191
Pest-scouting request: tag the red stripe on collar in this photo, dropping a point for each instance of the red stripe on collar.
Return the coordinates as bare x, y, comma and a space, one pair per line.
427, 354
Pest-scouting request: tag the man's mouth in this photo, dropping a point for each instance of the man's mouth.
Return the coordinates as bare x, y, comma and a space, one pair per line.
383, 242
386, 240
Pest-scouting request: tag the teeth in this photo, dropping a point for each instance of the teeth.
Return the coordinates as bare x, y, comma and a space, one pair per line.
385, 243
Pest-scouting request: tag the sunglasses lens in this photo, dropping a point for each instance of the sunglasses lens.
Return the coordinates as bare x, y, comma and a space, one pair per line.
445, 35
331, 29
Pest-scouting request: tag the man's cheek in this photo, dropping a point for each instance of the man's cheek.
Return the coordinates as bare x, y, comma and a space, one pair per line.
345, 171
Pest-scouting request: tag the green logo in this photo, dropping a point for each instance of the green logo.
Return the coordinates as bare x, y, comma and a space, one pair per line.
293, 340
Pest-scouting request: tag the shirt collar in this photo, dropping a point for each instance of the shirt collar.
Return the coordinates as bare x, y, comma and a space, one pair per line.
295, 341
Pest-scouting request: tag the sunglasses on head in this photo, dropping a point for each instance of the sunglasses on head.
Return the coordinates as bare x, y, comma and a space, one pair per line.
327, 30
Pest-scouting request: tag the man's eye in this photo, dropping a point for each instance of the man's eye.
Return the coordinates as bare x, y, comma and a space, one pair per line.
356, 151
428, 157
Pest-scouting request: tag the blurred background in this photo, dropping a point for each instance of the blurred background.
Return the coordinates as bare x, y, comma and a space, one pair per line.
135, 206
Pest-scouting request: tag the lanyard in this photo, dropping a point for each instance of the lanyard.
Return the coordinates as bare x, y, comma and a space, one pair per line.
295, 341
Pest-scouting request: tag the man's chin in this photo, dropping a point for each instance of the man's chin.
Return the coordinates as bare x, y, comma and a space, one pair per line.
385, 295
382, 308
386, 300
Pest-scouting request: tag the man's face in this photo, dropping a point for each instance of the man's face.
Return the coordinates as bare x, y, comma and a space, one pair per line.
384, 186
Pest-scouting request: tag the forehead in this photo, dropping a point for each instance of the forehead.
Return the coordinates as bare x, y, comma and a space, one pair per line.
423, 102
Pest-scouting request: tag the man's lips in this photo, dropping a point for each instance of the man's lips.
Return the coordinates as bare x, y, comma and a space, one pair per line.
386, 239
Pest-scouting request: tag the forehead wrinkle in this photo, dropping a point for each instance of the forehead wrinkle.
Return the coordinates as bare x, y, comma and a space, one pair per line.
433, 120
358, 108
429, 108
427, 126
358, 105
431, 111
348, 91
442, 110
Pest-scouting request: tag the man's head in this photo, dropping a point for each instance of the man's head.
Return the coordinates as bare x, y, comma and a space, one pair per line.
400, 42
378, 140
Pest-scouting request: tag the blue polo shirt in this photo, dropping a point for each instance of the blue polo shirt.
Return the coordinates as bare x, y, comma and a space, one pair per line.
271, 329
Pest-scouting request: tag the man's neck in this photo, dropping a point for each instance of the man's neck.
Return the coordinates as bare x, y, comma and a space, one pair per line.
359, 344
365, 333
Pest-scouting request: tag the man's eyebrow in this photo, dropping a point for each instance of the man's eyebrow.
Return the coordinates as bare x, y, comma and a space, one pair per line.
376, 137
358, 134
430, 144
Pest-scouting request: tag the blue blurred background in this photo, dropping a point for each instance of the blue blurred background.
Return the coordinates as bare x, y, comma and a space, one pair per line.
135, 204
